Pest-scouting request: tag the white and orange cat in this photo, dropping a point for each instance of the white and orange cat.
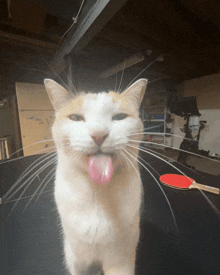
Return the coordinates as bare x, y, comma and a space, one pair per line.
98, 189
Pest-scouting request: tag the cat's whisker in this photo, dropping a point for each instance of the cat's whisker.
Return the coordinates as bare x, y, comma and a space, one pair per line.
71, 153
155, 133
39, 70
168, 202
74, 154
159, 134
38, 188
36, 152
142, 131
153, 154
27, 68
74, 141
8, 195
116, 80
18, 158
158, 157
166, 157
152, 127
130, 162
71, 89
57, 75
210, 203
122, 74
25, 172
45, 185
175, 148
144, 70
63, 82
71, 149
148, 164
26, 197
133, 133
31, 179
29, 183
121, 158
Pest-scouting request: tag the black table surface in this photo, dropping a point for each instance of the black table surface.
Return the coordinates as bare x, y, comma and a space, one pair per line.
31, 241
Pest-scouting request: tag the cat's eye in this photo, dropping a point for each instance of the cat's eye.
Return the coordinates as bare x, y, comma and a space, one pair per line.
76, 117
119, 116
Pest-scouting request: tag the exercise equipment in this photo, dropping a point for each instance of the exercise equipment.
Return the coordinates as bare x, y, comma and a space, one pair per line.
186, 107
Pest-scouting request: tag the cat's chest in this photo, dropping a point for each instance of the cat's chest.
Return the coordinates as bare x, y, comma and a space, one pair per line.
87, 218
97, 214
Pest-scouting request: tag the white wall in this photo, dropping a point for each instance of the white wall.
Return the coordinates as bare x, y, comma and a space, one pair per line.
210, 138
207, 91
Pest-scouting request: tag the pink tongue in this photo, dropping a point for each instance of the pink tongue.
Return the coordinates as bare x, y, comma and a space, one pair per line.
100, 169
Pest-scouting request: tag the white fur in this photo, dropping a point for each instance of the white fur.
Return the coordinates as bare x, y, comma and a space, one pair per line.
100, 223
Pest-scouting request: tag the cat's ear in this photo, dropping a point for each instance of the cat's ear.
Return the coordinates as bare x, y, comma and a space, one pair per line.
136, 91
57, 94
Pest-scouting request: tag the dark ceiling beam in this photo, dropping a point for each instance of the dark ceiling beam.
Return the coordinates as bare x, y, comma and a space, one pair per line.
120, 34
132, 60
91, 21
26, 41
125, 37
208, 10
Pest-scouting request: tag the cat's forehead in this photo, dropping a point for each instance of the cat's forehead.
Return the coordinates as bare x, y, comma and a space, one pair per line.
100, 102
97, 103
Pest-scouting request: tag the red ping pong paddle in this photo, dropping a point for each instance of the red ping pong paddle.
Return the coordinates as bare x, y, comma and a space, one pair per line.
183, 182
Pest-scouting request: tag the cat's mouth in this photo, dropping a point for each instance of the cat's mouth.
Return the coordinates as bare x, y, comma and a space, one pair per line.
100, 167
100, 152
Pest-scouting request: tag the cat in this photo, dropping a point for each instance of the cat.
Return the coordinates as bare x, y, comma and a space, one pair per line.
98, 189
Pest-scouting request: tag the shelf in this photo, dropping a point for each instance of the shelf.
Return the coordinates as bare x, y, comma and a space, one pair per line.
153, 120
159, 134
154, 106
156, 133
156, 120
156, 117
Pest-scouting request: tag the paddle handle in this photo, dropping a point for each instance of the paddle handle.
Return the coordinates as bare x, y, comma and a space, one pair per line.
205, 188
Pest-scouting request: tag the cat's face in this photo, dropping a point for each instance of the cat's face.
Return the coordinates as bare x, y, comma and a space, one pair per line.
100, 123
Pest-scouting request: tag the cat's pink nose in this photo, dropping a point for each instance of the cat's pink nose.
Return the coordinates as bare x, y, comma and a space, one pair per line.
99, 139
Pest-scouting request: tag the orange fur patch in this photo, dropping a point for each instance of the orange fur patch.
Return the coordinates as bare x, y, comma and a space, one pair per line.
71, 107
126, 106
74, 106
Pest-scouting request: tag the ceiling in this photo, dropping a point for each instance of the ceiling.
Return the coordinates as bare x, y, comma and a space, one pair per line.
111, 43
